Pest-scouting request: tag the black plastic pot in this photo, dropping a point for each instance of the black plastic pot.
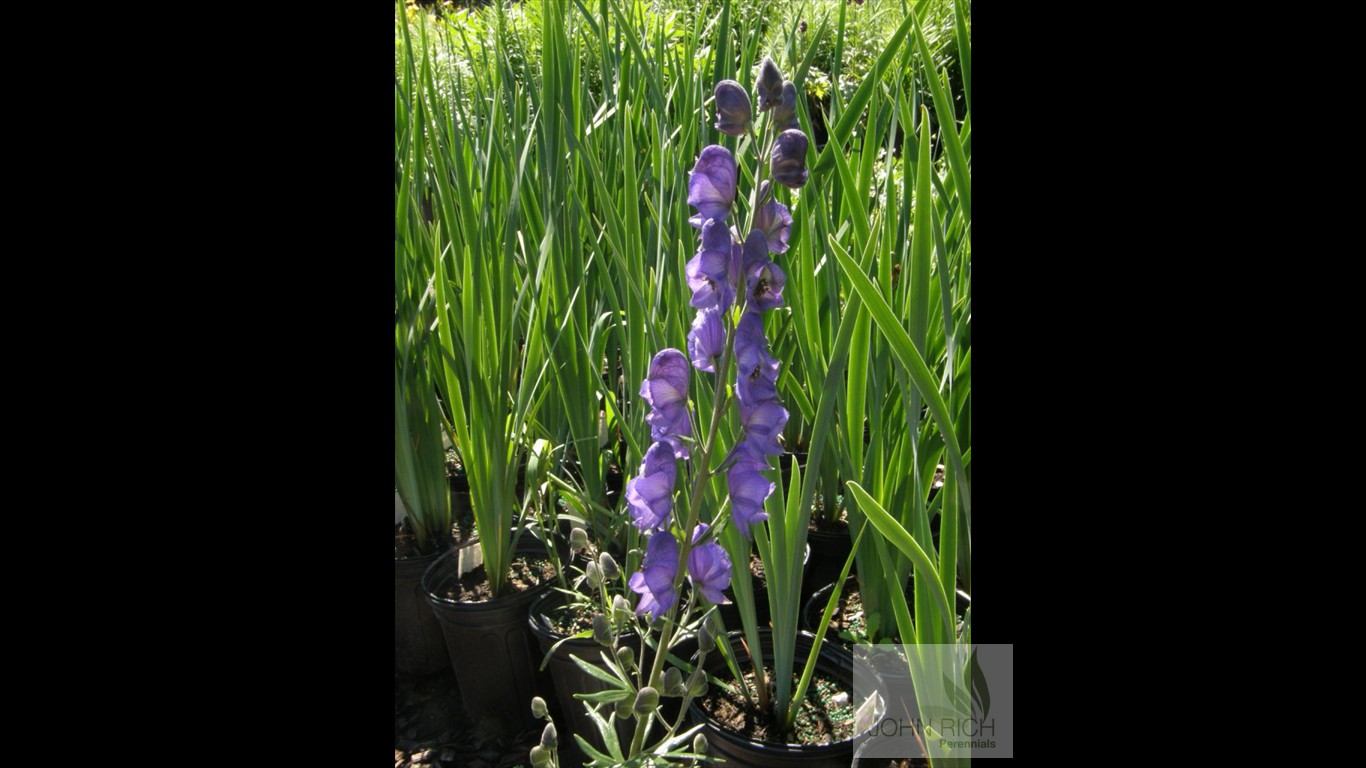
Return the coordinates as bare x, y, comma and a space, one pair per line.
419, 648
811, 612
569, 679
730, 612
738, 750
829, 550
489, 644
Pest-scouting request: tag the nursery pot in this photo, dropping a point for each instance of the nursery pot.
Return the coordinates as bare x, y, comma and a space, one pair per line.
419, 648
811, 612
569, 679
488, 643
829, 550
739, 750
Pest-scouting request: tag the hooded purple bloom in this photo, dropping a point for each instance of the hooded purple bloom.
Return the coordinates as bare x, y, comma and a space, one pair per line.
706, 340
770, 85
748, 489
666, 390
788, 163
711, 185
708, 271
773, 219
654, 582
650, 493
756, 372
754, 252
785, 111
763, 424
709, 568
733, 114
764, 282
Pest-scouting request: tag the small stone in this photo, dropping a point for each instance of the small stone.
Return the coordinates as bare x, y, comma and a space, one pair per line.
840, 700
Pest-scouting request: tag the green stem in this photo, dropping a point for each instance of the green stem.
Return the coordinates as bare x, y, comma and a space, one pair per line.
700, 477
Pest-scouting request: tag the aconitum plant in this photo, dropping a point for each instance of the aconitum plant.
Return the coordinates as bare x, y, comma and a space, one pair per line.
734, 280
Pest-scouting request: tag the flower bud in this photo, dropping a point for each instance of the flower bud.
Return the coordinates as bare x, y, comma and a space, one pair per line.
540, 757
785, 111
621, 610
697, 683
538, 709
788, 163
602, 631
550, 738
623, 709
610, 569
578, 539
673, 682
593, 574
699, 744
705, 642
733, 113
770, 85
646, 701
626, 657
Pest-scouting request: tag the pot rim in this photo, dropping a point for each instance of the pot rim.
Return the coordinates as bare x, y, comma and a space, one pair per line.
442, 563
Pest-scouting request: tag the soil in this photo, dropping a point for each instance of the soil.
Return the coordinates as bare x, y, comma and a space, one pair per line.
848, 615
756, 568
405, 541
571, 619
523, 574
818, 722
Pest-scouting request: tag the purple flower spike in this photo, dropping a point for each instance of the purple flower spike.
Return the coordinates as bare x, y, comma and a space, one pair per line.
769, 86
763, 425
708, 271
788, 163
666, 391
654, 582
748, 489
785, 111
709, 568
711, 185
733, 113
756, 371
650, 494
765, 285
706, 340
774, 220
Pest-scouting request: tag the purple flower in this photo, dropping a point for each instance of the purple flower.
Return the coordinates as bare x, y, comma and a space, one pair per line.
654, 582
711, 185
785, 111
708, 271
748, 489
756, 371
773, 219
650, 493
709, 568
763, 424
707, 339
770, 85
754, 252
788, 163
764, 282
733, 114
666, 391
